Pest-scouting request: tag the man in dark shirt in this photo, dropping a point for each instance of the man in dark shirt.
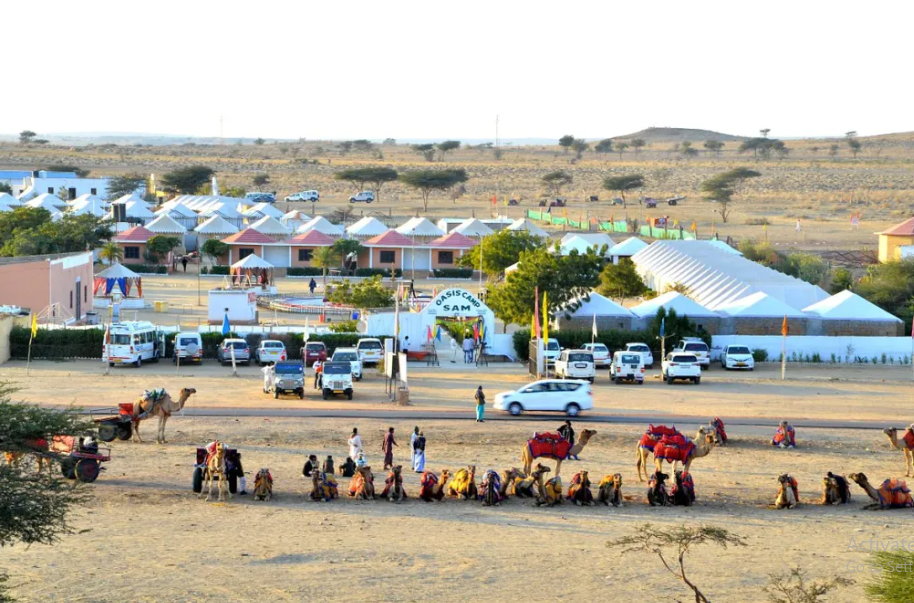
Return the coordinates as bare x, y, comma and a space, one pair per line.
310, 466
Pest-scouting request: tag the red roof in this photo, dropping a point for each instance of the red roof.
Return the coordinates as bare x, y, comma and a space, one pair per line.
906, 228
391, 238
454, 240
312, 238
137, 234
249, 236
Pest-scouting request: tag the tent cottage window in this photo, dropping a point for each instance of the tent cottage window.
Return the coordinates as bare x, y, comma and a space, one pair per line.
388, 257
131, 252
445, 257
245, 252
304, 255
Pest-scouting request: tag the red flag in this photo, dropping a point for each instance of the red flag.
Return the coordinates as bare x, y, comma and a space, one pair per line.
428, 334
475, 331
784, 329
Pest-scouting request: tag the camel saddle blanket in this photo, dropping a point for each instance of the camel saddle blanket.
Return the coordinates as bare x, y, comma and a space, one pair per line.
259, 478
790, 438
211, 450
718, 426
653, 434
575, 485
461, 481
894, 494
674, 448
428, 481
607, 480
554, 489
795, 487
389, 483
909, 438
154, 397
493, 478
688, 485
329, 485
355, 484
549, 445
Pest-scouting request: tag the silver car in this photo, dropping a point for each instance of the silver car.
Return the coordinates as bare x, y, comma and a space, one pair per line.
242, 351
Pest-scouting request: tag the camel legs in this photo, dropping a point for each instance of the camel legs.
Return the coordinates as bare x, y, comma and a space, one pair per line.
136, 431
160, 433
558, 467
908, 462
641, 462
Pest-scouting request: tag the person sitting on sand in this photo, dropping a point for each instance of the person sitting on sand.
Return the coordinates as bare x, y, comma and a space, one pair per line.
785, 436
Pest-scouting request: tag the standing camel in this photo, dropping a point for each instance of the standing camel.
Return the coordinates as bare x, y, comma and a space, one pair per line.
704, 442
216, 467
39, 446
905, 444
163, 407
527, 454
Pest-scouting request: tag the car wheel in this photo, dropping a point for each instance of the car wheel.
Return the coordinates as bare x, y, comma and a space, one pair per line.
111, 364
515, 409
697, 380
751, 368
139, 362
591, 379
325, 393
352, 200
572, 410
301, 394
349, 394
275, 394
669, 381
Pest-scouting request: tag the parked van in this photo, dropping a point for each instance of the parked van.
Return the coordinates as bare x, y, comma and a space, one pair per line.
188, 348
133, 342
575, 364
370, 351
627, 366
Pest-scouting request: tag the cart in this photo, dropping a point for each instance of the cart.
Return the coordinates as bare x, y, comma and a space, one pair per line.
650, 203
232, 466
119, 426
81, 463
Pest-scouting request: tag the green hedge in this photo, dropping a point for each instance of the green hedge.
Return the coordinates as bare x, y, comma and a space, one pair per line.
375, 271
148, 268
453, 272
303, 271
220, 270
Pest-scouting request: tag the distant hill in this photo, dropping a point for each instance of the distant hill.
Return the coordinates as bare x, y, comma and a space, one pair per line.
653, 135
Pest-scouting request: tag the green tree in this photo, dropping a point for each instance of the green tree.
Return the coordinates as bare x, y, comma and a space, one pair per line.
841, 279
6, 188
159, 246
621, 147
215, 249
63, 194
621, 280
261, 180
764, 132
833, 150
111, 253
623, 183
852, 143
118, 186
604, 146
63, 167
429, 181
500, 250
793, 587
555, 181
579, 146
807, 267
377, 176
369, 293
426, 150
890, 286
687, 151
325, 258
26, 136
187, 180
447, 146
892, 586
764, 147
236, 192
566, 141
638, 144
345, 247
259, 141
724, 186
714, 146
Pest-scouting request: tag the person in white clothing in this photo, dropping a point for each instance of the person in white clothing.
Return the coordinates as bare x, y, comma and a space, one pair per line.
412, 446
267, 377
355, 444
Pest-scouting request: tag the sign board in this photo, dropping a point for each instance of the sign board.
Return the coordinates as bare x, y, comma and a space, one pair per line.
455, 302
402, 366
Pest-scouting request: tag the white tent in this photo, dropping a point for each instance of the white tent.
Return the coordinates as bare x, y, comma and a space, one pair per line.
759, 305
252, 261
581, 243
8, 202
598, 304
176, 210
672, 300
165, 224
321, 224
847, 305
117, 270
47, 201
138, 209
419, 227
263, 209
525, 224
366, 227
472, 227
132, 198
626, 248
269, 225
216, 225
94, 206
84, 199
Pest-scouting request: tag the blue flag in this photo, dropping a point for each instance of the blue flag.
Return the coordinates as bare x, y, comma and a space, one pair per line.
662, 326
226, 327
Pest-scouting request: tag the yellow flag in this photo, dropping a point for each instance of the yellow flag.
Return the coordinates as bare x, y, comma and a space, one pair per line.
545, 319
694, 226
34, 325
533, 326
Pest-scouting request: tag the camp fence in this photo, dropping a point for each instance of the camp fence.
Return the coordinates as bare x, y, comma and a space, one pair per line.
620, 226
666, 233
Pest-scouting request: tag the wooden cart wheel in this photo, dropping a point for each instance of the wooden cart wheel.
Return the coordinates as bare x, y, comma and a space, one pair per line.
124, 430
106, 432
68, 467
87, 470
198, 480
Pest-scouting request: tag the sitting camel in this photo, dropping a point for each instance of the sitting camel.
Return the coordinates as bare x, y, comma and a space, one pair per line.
263, 485
324, 487
432, 488
527, 455
216, 468
531, 486
905, 444
835, 490
361, 487
656, 489
788, 493
610, 490
552, 491
162, 406
682, 494
719, 432
463, 484
892, 494
393, 485
491, 489
579, 491
702, 446
508, 479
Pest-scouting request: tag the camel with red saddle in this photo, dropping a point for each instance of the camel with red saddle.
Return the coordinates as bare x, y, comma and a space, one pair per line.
157, 403
529, 454
683, 450
646, 446
905, 444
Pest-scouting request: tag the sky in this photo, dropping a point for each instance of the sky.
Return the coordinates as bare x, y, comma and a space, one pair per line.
436, 70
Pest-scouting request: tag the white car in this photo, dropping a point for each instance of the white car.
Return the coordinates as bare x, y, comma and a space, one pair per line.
694, 345
370, 351
627, 366
551, 351
680, 365
600, 353
644, 350
363, 197
350, 355
737, 357
555, 395
575, 364
188, 348
305, 196
270, 351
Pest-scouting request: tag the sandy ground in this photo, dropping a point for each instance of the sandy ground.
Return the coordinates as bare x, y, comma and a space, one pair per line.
147, 537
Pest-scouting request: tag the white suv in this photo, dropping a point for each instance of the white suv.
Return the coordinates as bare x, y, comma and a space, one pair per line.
370, 351
737, 357
694, 345
570, 397
600, 353
364, 196
679, 365
575, 364
188, 348
350, 355
270, 351
305, 196
644, 350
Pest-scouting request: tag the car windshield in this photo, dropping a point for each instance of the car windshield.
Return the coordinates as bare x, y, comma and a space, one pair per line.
370, 345
272, 344
684, 358
289, 369
187, 340
552, 345
696, 347
337, 369
737, 349
345, 357
580, 357
315, 347
630, 359
120, 339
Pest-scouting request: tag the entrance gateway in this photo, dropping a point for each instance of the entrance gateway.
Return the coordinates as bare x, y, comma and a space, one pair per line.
458, 304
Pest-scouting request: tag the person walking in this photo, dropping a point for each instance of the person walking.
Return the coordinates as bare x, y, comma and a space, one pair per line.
355, 444
184, 262
419, 454
567, 432
312, 285
412, 445
318, 370
387, 447
480, 404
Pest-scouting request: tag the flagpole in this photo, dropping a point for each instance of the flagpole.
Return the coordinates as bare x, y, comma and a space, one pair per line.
784, 358
28, 361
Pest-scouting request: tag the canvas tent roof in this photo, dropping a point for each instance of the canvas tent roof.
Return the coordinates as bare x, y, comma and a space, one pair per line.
295, 215
581, 243
47, 201
472, 227
8, 200
216, 225
672, 300
321, 224
598, 304
84, 199
117, 270
269, 225
132, 197
759, 305
525, 224
847, 305
252, 261
137, 209
594, 238
419, 227
226, 210
165, 224
369, 226
89, 204
628, 247
176, 210
263, 209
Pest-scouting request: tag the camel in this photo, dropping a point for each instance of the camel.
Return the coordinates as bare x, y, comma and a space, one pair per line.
704, 442
508, 479
324, 487
683, 491
432, 487
491, 489
656, 490
718, 431
361, 487
835, 490
579, 492
263, 485
646, 446
552, 493
216, 467
892, 494
13, 459
164, 407
463, 484
527, 455
393, 488
524, 485
906, 445
610, 490
788, 493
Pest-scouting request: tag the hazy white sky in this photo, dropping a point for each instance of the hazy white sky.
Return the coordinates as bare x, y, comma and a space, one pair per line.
404, 69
